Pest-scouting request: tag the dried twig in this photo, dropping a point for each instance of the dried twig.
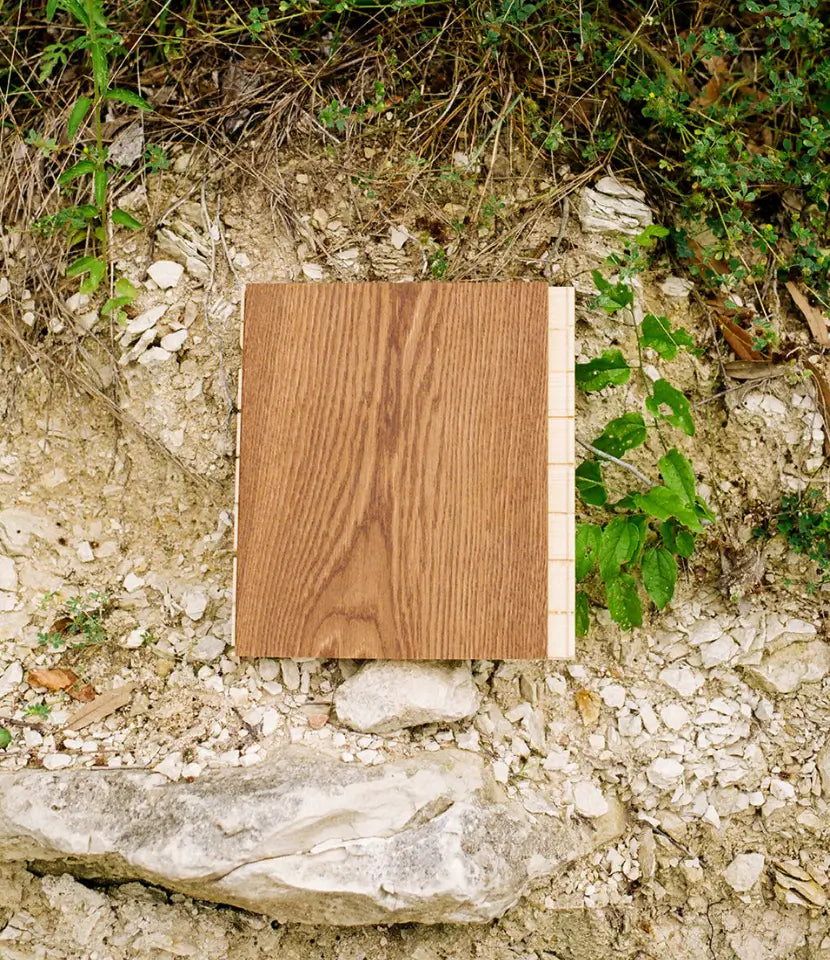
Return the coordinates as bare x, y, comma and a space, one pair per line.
620, 463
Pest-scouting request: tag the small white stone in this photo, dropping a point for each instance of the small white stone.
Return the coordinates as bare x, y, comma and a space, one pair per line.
613, 695
682, 680
313, 271
195, 603
56, 761
589, 801
8, 574
165, 273
500, 771
85, 553
270, 721
664, 772
719, 651
674, 716
269, 670
133, 582
11, 677
154, 357
144, 321
134, 639
398, 237
744, 871
209, 648
170, 766
174, 341
290, 674
191, 770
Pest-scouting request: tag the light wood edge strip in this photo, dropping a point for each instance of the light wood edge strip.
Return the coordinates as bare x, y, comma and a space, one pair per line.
236, 472
561, 626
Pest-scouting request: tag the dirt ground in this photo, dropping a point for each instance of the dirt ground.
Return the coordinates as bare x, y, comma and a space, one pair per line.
138, 506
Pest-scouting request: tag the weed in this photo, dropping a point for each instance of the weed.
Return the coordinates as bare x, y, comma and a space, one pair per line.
804, 523
39, 710
78, 623
640, 532
5, 738
88, 224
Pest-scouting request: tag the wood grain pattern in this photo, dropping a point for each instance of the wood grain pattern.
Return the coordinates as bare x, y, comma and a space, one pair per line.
394, 472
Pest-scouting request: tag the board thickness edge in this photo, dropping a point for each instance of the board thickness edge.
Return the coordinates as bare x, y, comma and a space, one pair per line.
561, 634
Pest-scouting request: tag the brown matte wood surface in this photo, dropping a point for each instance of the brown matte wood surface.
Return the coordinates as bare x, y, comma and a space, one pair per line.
393, 476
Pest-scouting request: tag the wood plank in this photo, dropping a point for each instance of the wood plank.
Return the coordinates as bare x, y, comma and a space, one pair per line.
393, 481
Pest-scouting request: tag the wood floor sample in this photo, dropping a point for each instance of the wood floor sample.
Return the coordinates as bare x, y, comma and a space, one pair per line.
405, 471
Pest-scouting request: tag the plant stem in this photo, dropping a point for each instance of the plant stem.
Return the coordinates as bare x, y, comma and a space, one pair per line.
620, 463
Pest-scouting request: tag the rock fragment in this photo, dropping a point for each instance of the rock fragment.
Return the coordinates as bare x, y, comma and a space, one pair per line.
744, 871
384, 696
165, 273
785, 670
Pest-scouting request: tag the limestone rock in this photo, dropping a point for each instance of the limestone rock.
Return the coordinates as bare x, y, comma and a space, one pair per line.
165, 273
785, 670
8, 574
613, 208
384, 696
823, 764
744, 871
589, 801
303, 837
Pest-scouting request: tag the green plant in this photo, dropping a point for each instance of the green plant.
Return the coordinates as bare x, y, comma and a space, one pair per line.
5, 738
804, 523
640, 532
39, 710
78, 623
88, 224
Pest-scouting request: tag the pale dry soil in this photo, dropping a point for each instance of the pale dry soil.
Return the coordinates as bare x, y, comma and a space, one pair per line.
707, 763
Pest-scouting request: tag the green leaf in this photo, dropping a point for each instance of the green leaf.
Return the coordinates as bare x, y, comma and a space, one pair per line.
702, 509
624, 602
609, 369
51, 9
583, 621
620, 542
100, 180
680, 414
124, 289
621, 434
652, 233
677, 474
5, 738
122, 219
80, 169
656, 332
662, 503
612, 297
81, 265
659, 569
129, 97
684, 543
95, 268
589, 483
588, 537
100, 68
76, 117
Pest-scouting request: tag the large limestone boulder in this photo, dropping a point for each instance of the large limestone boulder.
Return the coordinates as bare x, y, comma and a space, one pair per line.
303, 838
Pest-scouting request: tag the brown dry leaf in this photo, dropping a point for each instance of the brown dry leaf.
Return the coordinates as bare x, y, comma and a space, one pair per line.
823, 401
588, 705
100, 707
718, 66
317, 720
752, 370
58, 678
815, 318
84, 692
